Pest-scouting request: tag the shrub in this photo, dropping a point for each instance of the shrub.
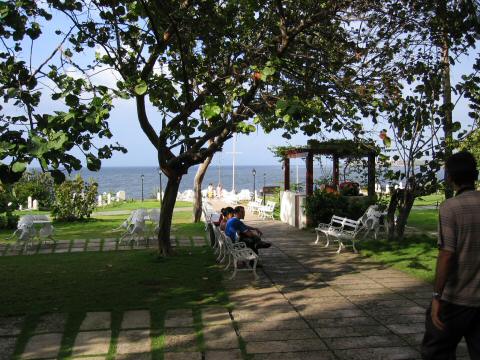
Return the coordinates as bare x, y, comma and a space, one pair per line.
7, 205
74, 199
38, 185
321, 206
349, 188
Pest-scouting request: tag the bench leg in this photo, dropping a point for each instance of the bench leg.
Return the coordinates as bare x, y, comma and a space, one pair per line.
340, 246
255, 269
228, 265
328, 240
234, 269
318, 238
353, 246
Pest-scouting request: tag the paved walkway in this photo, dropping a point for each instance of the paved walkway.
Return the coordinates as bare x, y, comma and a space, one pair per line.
309, 303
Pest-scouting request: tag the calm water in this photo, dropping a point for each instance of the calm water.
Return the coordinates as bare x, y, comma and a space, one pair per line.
113, 179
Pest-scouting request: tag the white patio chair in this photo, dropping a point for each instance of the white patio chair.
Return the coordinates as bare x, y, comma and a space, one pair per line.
46, 232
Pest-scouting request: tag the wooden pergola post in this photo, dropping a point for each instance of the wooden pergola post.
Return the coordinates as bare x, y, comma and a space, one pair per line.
336, 171
309, 175
371, 175
286, 173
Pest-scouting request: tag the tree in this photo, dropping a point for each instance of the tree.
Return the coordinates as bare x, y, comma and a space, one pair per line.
26, 81
417, 102
212, 68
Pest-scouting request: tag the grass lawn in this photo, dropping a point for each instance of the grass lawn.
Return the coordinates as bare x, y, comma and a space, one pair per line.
99, 227
137, 204
76, 283
415, 255
424, 220
429, 200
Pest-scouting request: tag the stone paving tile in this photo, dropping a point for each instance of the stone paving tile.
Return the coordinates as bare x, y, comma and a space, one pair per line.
109, 245
92, 343
132, 356
285, 346
247, 315
220, 337
42, 346
136, 319
333, 332
272, 325
179, 318
61, 250
407, 328
96, 321
51, 323
278, 335
358, 342
304, 355
215, 315
394, 319
182, 356
184, 242
180, 339
45, 250
223, 355
390, 353
342, 322
199, 241
133, 341
10, 326
7, 346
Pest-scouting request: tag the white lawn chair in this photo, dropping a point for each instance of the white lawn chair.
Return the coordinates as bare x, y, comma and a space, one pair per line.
371, 220
253, 206
46, 232
136, 228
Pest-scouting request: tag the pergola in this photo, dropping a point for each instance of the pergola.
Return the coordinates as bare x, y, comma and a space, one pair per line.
337, 149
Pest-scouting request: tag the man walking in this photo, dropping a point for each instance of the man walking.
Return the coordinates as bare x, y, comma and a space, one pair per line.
455, 308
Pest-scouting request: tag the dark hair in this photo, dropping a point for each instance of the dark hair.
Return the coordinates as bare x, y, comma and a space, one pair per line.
227, 210
461, 168
238, 209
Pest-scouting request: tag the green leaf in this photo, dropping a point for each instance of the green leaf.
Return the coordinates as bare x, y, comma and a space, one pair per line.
57, 140
387, 141
19, 167
141, 88
211, 110
93, 163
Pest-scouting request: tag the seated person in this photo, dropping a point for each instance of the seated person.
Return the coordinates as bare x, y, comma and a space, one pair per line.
227, 214
247, 234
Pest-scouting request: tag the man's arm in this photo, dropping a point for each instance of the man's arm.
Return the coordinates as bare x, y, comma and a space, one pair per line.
445, 262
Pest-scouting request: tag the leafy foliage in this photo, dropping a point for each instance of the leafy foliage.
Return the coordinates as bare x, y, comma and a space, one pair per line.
322, 205
38, 185
82, 108
74, 199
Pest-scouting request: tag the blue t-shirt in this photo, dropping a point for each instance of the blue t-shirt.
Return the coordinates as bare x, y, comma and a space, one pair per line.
234, 225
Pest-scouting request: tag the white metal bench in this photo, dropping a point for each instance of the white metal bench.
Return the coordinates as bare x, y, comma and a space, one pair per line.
253, 206
267, 211
239, 252
341, 229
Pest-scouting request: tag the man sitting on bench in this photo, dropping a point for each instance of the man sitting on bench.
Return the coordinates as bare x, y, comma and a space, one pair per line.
247, 234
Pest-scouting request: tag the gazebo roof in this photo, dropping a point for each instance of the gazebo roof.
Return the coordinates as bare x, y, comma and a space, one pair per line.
338, 147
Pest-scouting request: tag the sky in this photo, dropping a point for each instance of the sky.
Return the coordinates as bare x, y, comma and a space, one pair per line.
252, 149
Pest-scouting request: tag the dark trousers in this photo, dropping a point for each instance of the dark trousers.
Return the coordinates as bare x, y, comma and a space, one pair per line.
460, 321
251, 242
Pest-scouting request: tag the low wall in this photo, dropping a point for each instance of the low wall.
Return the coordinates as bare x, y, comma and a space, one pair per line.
292, 209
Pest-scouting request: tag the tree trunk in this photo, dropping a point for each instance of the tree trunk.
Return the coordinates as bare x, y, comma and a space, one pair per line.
447, 106
392, 209
404, 212
197, 189
165, 223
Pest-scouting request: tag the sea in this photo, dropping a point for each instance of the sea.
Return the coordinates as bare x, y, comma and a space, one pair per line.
129, 179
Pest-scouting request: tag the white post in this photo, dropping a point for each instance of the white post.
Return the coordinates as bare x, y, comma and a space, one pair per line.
100, 202
35, 204
297, 175
158, 195
109, 199
387, 188
29, 202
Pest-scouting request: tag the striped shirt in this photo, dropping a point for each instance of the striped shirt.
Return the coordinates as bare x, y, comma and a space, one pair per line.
459, 232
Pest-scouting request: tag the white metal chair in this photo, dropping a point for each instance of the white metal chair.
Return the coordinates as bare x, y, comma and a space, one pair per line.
136, 228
